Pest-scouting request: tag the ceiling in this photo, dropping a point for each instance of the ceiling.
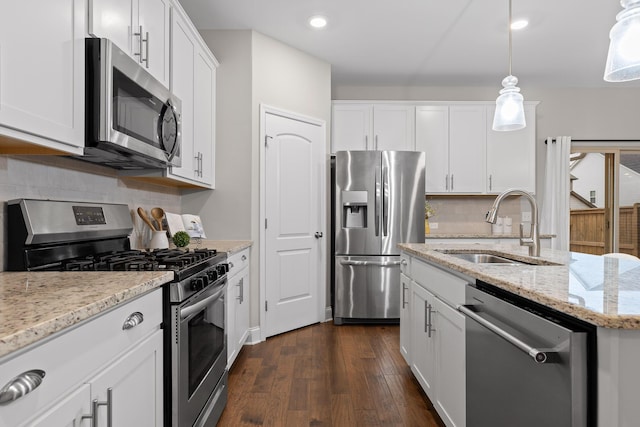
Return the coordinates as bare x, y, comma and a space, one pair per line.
434, 42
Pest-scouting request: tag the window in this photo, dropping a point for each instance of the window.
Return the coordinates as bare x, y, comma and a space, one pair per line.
605, 197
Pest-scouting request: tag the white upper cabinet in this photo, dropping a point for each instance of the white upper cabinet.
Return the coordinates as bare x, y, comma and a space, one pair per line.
42, 75
464, 155
432, 137
193, 80
393, 127
467, 139
453, 139
351, 127
511, 156
139, 27
363, 126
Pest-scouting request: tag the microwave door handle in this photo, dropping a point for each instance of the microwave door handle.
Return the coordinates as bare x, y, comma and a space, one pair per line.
176, 146
189, 310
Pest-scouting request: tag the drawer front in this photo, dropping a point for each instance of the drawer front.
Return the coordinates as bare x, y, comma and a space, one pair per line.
238, 261
72, 357
444, 285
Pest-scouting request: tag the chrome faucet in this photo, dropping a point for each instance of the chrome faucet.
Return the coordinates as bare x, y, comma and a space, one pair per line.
533, 240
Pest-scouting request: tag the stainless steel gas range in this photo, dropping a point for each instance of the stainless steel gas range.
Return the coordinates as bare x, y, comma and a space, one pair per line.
46, 235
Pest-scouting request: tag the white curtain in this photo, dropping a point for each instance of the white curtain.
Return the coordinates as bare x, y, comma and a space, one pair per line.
554, 215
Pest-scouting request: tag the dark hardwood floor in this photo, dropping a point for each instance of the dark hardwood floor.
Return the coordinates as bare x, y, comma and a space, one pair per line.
327, 375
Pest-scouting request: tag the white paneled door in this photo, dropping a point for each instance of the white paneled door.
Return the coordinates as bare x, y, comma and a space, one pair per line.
294, 227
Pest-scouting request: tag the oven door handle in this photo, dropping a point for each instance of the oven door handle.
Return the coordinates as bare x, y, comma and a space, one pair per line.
538, 355
191, 309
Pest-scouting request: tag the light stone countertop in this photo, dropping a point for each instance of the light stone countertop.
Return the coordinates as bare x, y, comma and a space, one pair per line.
599, 290
228, 246
35, 305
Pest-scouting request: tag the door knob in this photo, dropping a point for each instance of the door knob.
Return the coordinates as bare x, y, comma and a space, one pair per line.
318, 234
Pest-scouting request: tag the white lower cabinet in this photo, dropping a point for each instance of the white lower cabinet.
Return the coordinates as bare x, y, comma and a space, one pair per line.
437, 331
405, 318
90, 362
423, 345
237, 304
69, 411
135, 384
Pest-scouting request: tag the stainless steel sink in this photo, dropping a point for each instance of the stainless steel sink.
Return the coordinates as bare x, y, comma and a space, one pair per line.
491, 257
480, 258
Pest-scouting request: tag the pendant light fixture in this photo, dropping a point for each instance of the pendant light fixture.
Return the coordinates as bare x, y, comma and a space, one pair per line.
623, 60
510, 104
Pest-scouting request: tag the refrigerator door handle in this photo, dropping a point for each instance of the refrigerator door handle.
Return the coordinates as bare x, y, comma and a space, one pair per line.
376, 207
385, 201
366, 263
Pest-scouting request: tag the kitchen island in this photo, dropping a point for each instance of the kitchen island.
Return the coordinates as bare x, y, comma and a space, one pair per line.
604, 292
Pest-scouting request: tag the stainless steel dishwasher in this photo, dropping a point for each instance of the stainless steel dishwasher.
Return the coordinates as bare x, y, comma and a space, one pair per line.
526, 365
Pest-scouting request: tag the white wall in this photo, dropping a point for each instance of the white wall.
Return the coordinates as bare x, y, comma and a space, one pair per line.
254, 69
60, 178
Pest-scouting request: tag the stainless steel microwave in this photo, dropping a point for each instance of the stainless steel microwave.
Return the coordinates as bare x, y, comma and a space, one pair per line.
131, 120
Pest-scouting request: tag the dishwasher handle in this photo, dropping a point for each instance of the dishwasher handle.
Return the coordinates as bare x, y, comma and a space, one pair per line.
538, 355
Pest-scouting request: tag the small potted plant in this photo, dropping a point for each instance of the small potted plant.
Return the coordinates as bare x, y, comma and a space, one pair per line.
181, 239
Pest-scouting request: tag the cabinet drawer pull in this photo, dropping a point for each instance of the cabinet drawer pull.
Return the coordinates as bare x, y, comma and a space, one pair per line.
21, 385
244, 257
133, 320
231, 265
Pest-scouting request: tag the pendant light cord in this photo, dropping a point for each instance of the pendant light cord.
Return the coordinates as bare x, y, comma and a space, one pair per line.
510, 42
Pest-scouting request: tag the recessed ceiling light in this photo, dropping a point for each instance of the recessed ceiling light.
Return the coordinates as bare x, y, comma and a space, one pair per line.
318, 21
519, 24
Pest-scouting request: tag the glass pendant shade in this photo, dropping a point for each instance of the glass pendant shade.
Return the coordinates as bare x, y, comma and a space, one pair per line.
509, 107
623, 60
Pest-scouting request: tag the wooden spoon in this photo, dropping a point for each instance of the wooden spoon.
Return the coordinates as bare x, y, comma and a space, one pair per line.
158, 215
146, 219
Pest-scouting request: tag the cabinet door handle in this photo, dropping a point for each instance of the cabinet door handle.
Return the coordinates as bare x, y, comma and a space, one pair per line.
430, 310
241, 286
95, 406
376, 143
446, 182
21, 385
146, 50
451, 182
133, 320
490, 182
140, 42
427, 326
404, 300
366, 143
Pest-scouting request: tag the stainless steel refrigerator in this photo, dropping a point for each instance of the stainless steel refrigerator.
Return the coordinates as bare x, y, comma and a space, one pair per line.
378, 202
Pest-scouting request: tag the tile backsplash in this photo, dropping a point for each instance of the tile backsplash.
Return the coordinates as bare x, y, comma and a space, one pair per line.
465, 215
61, 178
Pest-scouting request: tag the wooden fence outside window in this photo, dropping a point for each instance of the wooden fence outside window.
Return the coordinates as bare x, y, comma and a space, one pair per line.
587, 230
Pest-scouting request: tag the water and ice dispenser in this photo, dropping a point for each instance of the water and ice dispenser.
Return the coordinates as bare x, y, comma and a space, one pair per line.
354, 209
